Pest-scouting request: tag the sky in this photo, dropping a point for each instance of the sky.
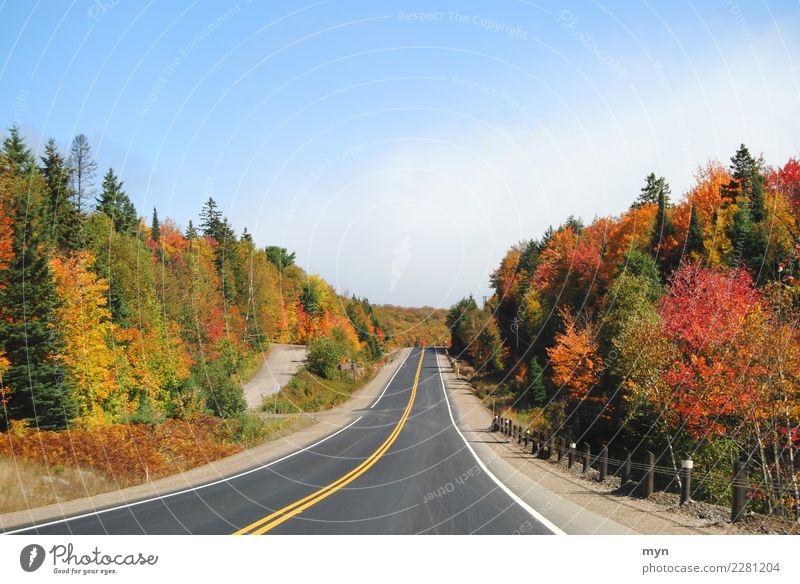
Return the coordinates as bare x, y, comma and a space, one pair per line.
400, 148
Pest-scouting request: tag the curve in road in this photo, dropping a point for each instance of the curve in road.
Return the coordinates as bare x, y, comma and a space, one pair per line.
402, 467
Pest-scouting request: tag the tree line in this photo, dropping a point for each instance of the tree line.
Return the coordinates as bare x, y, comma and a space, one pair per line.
107, 317
672, 326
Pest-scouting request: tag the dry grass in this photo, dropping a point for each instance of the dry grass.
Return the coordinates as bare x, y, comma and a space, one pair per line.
27, 484
41, 468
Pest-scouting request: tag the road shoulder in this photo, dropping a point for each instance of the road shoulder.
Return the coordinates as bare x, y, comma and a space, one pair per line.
516, 472
324, 424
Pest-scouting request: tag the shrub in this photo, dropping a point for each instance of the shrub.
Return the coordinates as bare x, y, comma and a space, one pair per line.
324, 356
223, 396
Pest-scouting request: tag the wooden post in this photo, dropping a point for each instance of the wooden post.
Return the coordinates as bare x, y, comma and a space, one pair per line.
604, 463
649, 473
571, 455
739, 488
625, 472
525, 440
587, 455
686, 480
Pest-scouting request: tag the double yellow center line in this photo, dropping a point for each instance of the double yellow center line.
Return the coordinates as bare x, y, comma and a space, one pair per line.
274, 519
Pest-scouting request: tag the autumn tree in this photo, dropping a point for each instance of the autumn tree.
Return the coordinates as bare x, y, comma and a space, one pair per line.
575, 361
85, 322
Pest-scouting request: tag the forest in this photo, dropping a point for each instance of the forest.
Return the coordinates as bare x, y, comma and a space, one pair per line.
108, 317
672, 326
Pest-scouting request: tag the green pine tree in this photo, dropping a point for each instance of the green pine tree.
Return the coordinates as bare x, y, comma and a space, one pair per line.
40, 388
18, 155
62, 220
115, 203
748, 182
694, 237
536, 389
663, 228
652, 191
155, 227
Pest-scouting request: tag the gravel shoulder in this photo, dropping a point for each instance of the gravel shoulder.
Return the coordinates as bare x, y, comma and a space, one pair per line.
321, 424
579, 504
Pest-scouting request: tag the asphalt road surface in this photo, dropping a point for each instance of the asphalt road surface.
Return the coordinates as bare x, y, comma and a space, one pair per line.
402, 467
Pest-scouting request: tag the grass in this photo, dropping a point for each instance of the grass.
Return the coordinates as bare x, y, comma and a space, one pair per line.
40, 468
306, 392
27, 484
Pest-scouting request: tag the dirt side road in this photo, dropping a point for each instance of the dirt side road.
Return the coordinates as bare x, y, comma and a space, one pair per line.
281, 363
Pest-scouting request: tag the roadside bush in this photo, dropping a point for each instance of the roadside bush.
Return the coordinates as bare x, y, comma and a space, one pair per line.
223, 396
324, 356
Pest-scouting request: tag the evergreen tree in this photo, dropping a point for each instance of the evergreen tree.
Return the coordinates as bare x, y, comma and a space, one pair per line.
663, 228
694, 237
747, 183
18, 155
191, 234
155, 227
40, 388
115, 203
62, 220
280, 257
211, 219
83, 169
537, 392
653, 190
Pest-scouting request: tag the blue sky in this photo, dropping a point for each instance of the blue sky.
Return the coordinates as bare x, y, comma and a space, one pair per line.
401, 147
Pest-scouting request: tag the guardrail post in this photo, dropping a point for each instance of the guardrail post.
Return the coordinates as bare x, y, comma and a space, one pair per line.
604, 463
625, 473
587, 454
571, 454
520, 434
526, 437
535, 444
649, 473
739, 488
686, 480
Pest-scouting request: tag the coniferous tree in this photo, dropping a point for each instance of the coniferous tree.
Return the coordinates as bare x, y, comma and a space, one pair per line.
18, 155
155, 227
536, 390
40, 388
83, 170
280, 257
694, 237
115, 203
62, 220
663, 228
654, 189
747, 183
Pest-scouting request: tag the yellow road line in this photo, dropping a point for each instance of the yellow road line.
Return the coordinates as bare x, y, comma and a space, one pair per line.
274, 519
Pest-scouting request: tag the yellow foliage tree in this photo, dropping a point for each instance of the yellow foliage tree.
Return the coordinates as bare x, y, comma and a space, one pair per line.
85, 320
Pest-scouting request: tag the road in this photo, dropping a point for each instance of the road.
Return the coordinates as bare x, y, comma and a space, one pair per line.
401, 467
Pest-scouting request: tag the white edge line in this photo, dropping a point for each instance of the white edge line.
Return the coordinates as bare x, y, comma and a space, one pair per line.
536, 515
403, 362
189, 490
